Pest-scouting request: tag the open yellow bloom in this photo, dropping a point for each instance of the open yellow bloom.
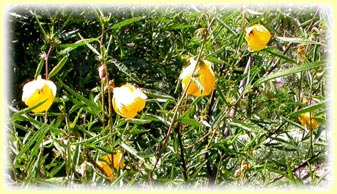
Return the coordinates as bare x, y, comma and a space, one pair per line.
307, 120
203, 79
37, 91
127, 100
257, 37
109, 161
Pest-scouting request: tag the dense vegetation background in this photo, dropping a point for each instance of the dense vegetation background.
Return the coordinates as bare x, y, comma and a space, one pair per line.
246, 132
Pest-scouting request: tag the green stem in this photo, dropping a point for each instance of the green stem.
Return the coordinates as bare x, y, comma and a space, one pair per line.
46, 72
102, 99
46, 61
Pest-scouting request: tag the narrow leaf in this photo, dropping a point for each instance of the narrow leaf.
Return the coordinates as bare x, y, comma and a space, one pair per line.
240, 124
39, 68
190, 122
127, 22
123, 68
89, 45
36, 139
289, 71
58, 67
96, 110
181, 26
297, 40
72, 46
280, 54
310, 108
132, 151
215, 60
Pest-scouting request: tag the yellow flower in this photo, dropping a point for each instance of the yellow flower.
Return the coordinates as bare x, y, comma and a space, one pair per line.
127, 100
307, 120
37, 91
106, 162
257, 37
203, 79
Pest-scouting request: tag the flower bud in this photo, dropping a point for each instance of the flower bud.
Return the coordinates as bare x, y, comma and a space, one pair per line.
101, 71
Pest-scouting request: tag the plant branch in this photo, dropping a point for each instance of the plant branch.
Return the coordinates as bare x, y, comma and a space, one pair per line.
178, 130
46, 61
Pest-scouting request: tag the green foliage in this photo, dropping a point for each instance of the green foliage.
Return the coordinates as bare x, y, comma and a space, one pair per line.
245, 133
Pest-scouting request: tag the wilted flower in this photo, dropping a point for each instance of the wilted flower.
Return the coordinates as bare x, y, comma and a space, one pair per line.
108, 161
257, 37
203, 79
307, 120
38, 91
127, 100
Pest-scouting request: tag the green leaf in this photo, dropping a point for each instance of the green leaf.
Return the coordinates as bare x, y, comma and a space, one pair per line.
154, 94
89, 45
138, 121
39, 68
137, 130
310, 108
91, 105
126, 22
72, 46
34, 141
189, 122
277, 53
228, 27
74, 122
293, 123
240, 124
181, 26
104, 149
58, 67
132, 151
297, 40
215, 60
54, 171
156, 118
289, 71
41, 28
19, 115
123, 68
